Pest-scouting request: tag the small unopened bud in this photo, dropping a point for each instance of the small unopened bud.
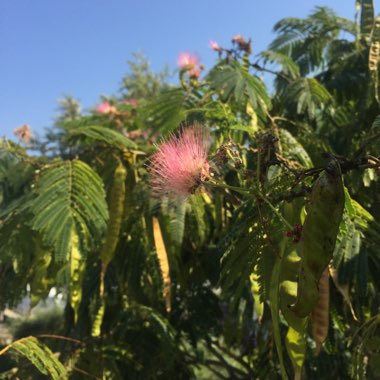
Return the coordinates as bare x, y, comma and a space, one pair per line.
238, 38
215, 46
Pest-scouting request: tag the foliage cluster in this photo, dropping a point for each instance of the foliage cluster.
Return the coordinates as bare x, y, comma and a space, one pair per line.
240, 280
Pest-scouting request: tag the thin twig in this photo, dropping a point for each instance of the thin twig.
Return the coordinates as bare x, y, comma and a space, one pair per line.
261, 68
59, 337
76, 369
367, 141
293, 194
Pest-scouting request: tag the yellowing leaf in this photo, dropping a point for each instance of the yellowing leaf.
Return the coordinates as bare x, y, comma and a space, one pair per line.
255, 289
77, 267
296, 346
253, 123
39, 355
163, 260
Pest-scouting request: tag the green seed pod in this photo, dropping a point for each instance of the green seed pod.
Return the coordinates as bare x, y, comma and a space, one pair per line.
319, 236
295, 339
116, 211
116, 202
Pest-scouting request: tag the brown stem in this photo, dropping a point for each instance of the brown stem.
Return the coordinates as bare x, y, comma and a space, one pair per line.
261, 68
367, 141
59, 337
83, 372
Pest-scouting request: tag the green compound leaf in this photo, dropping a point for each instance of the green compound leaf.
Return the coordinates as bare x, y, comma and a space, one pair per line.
101, 134
307, 95
233, 81
69, 196
39, 355
366, 17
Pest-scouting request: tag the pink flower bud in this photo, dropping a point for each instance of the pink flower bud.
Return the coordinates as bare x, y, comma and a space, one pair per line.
215, 46
238, 38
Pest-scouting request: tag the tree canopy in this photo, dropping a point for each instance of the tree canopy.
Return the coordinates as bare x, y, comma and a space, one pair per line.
266, 264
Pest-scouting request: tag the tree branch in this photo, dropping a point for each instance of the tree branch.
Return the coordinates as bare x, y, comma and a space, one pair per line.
261, 68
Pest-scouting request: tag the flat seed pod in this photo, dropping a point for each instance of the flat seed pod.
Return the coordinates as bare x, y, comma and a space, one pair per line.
320, 313
116, 212
295, 338
319, 236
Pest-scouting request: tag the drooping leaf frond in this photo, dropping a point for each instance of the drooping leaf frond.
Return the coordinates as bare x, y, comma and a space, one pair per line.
305, 40
243, 247
293, 149
233, 81
308, 96
288, 66
167, 111
97, 133
39, 355
69, 195
358, 236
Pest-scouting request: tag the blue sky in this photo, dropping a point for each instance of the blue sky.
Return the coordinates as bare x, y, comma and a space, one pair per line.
49, 48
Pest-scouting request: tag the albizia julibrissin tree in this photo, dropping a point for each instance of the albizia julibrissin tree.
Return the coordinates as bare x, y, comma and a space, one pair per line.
212, 231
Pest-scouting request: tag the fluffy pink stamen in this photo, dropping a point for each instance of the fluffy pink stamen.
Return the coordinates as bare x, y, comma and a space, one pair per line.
187, 59
191, 63
180, 164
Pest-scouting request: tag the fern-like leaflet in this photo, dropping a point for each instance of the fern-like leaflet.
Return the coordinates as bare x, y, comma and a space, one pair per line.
68, 196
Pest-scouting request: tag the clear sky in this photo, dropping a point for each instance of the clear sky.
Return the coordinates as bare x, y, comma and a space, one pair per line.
49, 48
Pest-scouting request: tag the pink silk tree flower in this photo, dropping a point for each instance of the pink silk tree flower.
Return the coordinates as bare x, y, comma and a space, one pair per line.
186, 59
105, 108
190, 63
132, 102
195, 72
180, 165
